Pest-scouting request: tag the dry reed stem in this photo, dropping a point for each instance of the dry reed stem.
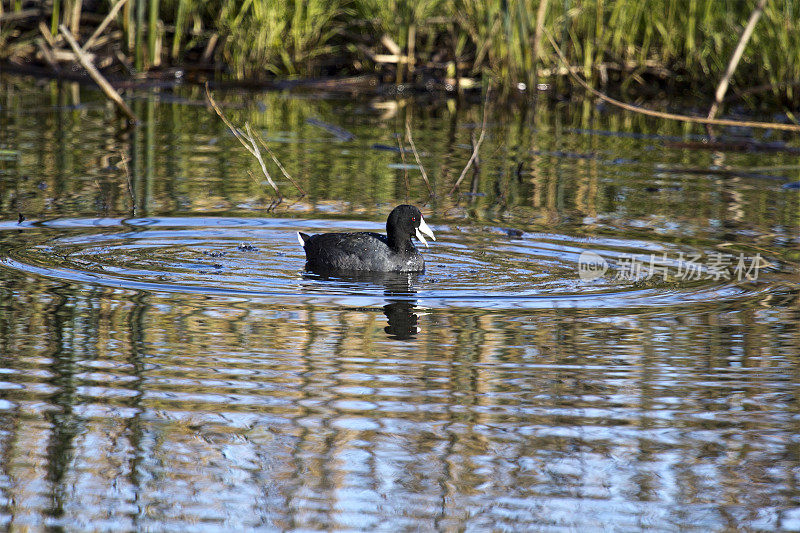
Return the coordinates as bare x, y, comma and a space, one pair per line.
537, 43
123, 161
737, 55
405, 168
416, 156
273, 203
209, 49
280, 166
245, 138
257, 154
667, 116
106, 21
13, 16
45, 31
475, 145
476, 165
48, 55
98, 78
75, 18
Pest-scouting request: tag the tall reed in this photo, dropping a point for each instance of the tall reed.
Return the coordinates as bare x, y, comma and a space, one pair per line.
690, 40
501, 37
684, 41
264, 36
406, 22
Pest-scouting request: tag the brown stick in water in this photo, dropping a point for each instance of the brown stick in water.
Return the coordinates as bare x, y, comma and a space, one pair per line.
476, 145
123, 161
283, 170
245, 138
405, 168
416, 156
667, 116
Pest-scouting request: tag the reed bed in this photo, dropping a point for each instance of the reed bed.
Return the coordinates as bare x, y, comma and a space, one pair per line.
453, 43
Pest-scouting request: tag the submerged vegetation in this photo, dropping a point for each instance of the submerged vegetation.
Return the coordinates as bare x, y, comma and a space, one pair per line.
452, 43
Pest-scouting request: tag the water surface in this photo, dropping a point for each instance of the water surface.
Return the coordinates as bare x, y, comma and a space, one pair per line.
167, 363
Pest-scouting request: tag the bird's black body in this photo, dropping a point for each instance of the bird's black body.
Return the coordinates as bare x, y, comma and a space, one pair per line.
359, 251
367, 251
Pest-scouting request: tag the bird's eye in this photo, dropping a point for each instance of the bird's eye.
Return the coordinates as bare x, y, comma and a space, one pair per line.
413, 219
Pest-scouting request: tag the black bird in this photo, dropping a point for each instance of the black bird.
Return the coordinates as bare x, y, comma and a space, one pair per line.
367, 251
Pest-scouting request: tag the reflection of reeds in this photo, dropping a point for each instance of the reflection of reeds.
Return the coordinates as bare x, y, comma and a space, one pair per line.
281, 383
246, 138
476, 145
535, 167
410, 139
409, 40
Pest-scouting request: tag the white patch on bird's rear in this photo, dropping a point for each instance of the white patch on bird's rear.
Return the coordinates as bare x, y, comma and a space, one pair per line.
300, 240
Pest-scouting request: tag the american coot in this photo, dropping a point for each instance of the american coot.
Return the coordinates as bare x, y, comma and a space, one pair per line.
366, 251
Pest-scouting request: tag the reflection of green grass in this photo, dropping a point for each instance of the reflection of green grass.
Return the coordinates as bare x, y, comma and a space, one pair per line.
539, 170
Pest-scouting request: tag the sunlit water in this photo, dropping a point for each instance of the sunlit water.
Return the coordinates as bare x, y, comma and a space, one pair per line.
167, 363
482, 267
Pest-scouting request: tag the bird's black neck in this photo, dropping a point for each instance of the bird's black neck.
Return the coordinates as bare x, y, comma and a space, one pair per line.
399, 242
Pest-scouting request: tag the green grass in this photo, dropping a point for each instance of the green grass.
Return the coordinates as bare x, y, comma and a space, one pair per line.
281, 38
686, 43
693, 39
689, 41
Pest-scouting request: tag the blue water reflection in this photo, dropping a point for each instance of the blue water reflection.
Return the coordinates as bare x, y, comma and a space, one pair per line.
166, 363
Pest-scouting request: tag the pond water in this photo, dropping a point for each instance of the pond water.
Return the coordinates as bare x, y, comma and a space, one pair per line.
606, 336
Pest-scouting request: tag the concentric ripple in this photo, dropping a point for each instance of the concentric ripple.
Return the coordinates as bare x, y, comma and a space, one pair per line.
467, 266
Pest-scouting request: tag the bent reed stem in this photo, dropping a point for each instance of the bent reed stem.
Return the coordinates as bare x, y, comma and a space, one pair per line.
666, 116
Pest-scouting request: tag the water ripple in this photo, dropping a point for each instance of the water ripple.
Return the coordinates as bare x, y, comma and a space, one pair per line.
466, 267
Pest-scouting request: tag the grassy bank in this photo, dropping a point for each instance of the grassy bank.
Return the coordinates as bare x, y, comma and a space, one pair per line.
682, 44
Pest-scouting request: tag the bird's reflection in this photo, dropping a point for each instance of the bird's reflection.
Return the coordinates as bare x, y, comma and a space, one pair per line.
399, 291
